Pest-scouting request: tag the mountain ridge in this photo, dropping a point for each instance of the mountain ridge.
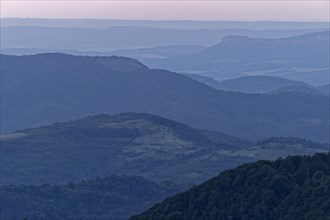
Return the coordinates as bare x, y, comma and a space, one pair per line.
43, 89
302, 57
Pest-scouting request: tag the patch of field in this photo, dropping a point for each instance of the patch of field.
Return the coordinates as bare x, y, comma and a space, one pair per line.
13, 136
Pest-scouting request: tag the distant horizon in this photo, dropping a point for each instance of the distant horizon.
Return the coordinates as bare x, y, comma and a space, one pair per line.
238, 10
165, 20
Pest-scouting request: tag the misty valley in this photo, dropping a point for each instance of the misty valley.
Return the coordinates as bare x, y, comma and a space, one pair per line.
164, 120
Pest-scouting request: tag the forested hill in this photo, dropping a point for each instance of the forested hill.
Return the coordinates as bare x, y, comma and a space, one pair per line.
111, 198
128, 143
132, 144
297, 187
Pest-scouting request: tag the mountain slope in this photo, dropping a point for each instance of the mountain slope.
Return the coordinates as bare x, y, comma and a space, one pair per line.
257, 84
294, 188
302, 58
325, 89
260, 84
48, 88
298, 89
131, 144
114, 197
96, 146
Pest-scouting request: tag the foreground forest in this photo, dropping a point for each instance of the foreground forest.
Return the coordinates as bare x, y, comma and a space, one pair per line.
297, 187
110, 198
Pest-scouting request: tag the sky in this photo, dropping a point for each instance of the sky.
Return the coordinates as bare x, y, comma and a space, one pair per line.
276, 10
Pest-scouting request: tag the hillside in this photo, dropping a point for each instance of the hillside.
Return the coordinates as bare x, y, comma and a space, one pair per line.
301, 58
156, 148
258, 84
261, 84
96, 146
299, 89
47, 88
325, 89
113, 198
297, 187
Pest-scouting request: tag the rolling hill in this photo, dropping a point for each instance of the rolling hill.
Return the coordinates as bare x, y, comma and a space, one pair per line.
97, 146
261, 84
156, 148
297, 187
47, 88
257, 84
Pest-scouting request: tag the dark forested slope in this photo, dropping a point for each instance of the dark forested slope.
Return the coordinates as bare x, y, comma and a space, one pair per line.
294, 188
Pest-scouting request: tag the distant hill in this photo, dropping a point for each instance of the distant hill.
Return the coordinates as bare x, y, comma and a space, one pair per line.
302, 58
113, 197
176, 24
258, 84
297, 187
204, 79
108, 35
291, 49
160, 52
325, 89
131, 144
298, 89
276, 147
47, 88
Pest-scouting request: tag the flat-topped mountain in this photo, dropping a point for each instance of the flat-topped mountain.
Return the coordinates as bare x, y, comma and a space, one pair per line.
241, 48
293, 188
298, 48
47, 88
302, 58
123, 64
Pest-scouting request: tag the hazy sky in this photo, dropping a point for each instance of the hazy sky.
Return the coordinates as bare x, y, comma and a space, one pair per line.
281, 10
